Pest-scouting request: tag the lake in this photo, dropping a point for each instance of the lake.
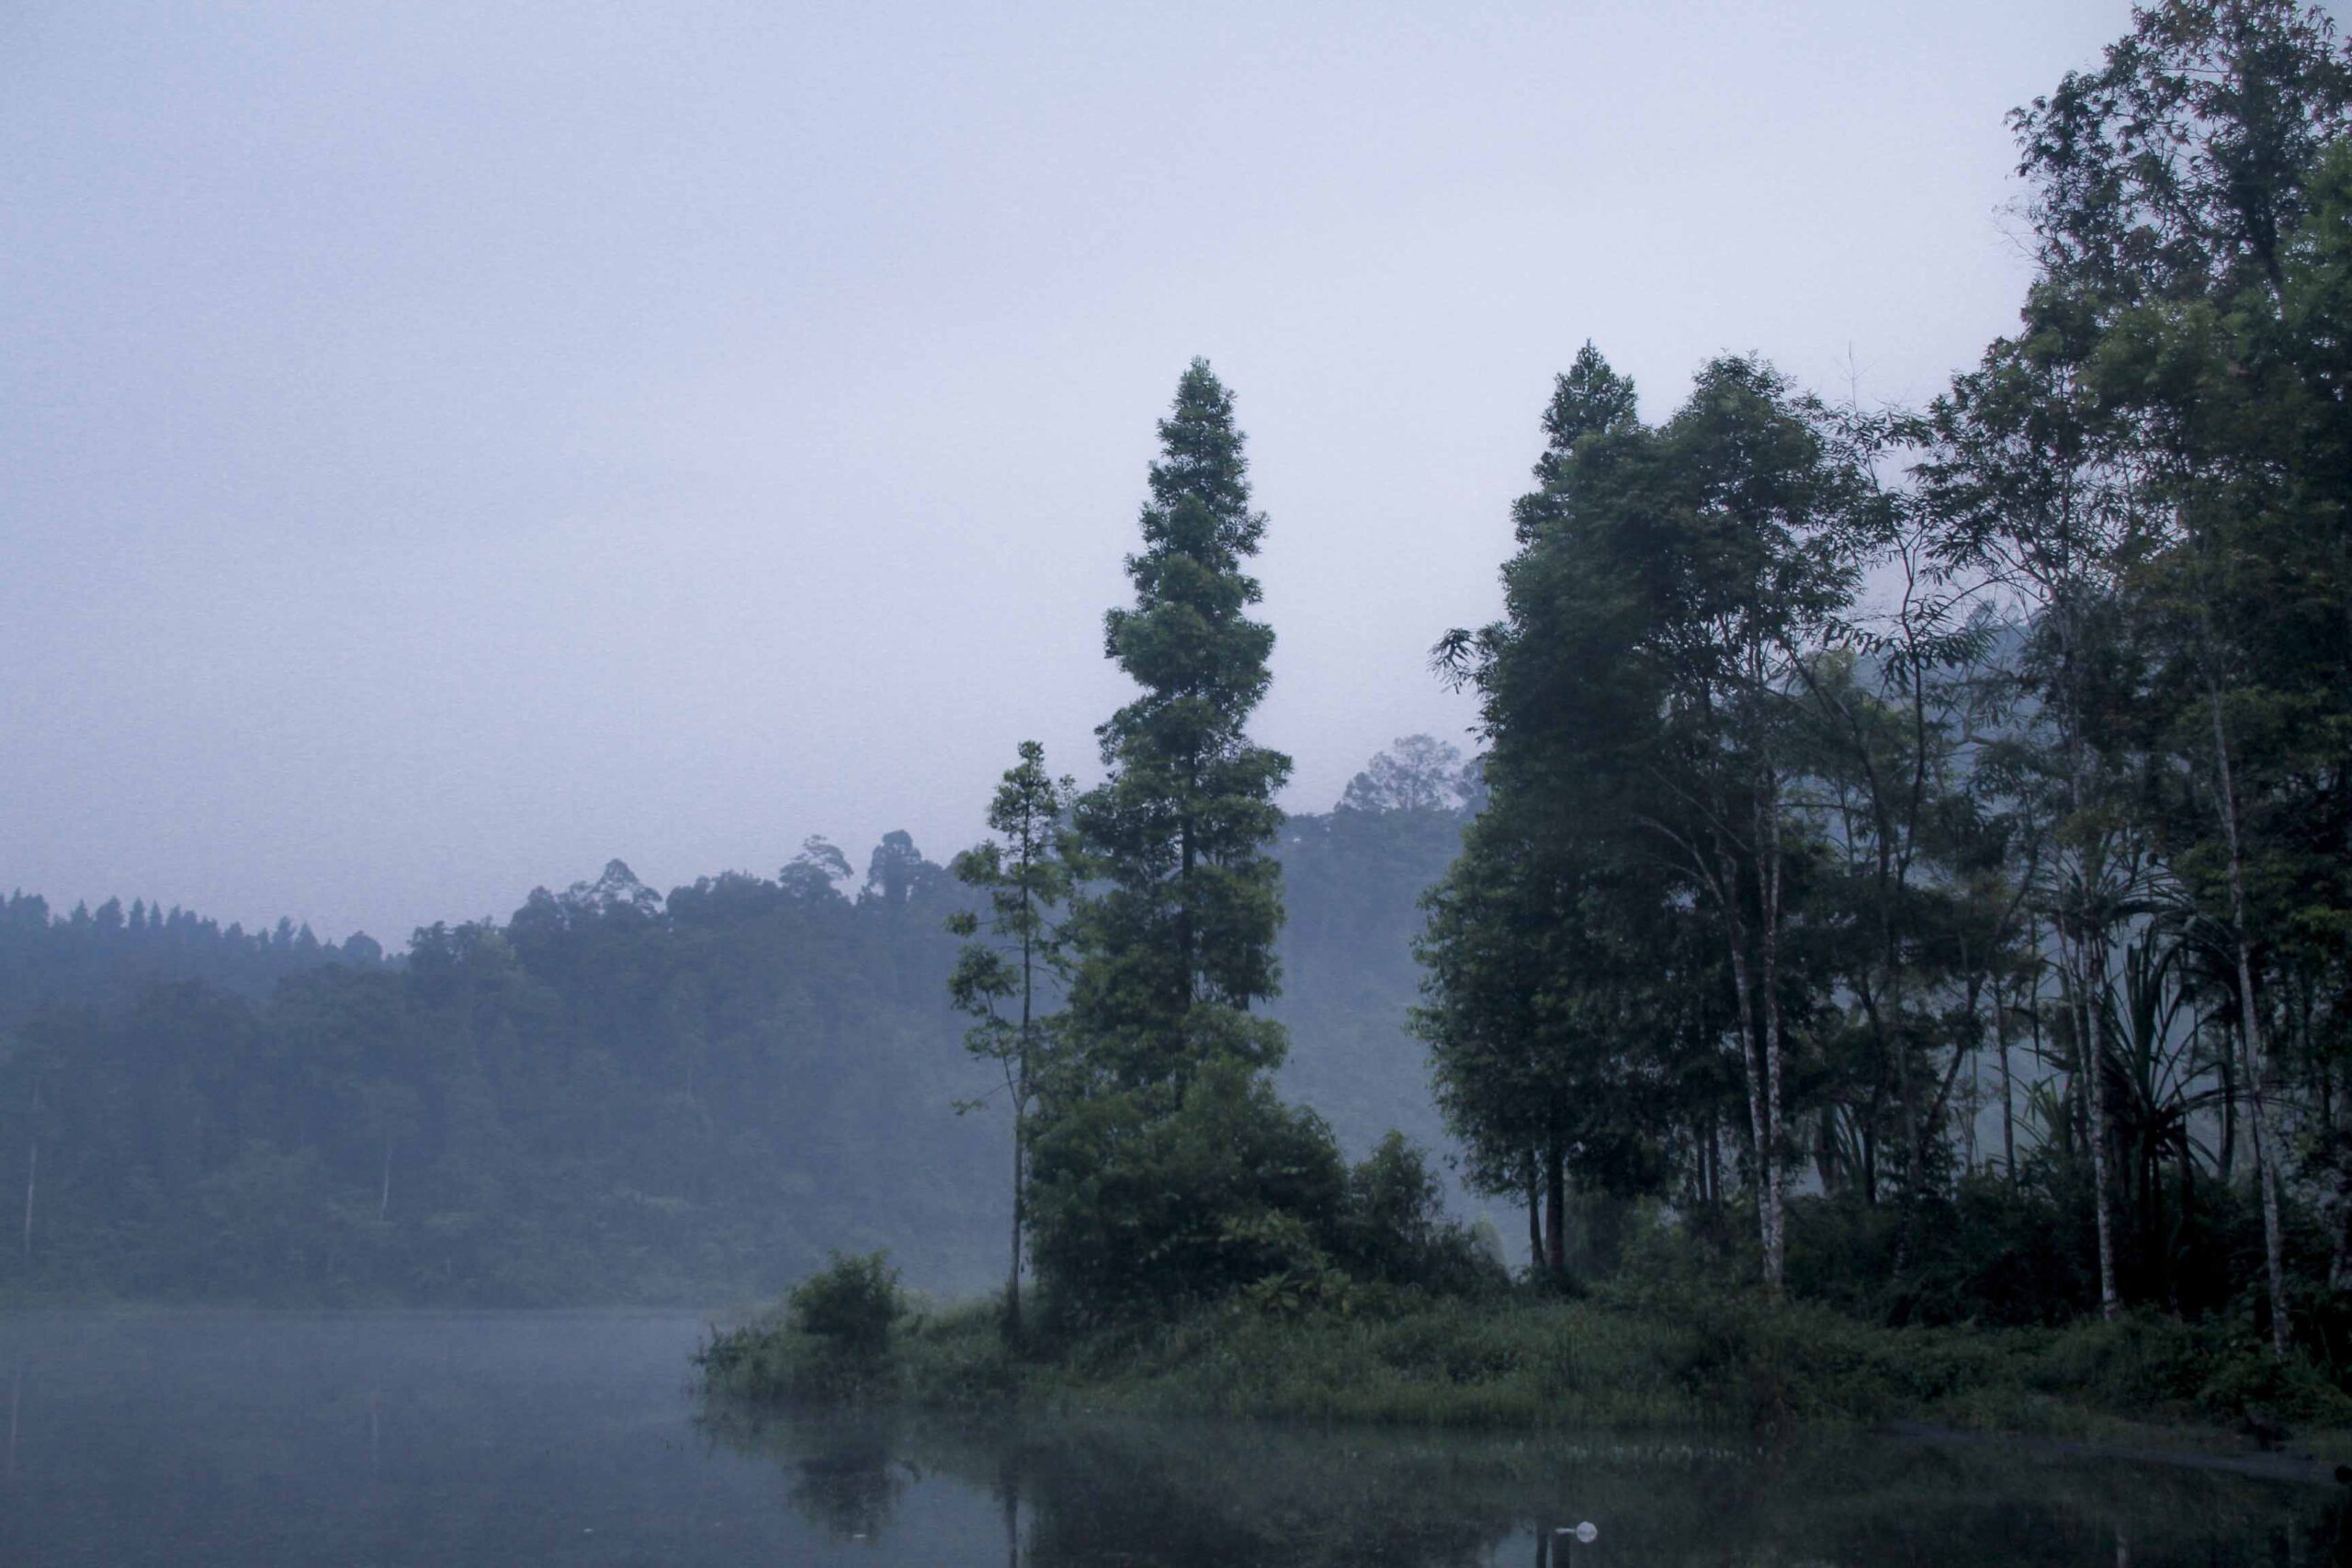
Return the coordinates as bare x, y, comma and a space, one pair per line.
257, 1438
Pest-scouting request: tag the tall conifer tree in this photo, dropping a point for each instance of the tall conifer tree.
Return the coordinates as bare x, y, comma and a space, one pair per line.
1165, 1166
1178, 940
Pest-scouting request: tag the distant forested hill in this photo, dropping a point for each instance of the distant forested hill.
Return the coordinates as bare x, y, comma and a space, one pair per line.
109, 957
611, 1097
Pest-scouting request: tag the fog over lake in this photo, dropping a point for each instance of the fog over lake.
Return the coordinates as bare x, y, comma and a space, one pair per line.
520, 1437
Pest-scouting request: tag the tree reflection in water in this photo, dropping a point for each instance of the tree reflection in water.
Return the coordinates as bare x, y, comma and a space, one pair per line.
850, 1486
1153, 1492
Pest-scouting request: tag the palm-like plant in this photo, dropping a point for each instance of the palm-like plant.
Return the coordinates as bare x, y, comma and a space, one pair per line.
2155, 1085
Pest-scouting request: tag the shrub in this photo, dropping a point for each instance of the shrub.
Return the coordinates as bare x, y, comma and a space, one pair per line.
1392, 1228
851, 1307
1138, 1210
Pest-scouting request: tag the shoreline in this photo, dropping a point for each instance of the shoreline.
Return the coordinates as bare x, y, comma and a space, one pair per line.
2142, 1387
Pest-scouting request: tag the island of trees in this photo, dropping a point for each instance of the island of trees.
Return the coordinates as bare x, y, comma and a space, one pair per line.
1909, 897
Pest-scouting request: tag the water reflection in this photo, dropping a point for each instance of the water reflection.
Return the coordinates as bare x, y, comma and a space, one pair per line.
1094, 1491
849, 1488
260, 1439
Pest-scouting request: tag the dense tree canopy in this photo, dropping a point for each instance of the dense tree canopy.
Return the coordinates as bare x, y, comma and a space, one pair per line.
2010, 736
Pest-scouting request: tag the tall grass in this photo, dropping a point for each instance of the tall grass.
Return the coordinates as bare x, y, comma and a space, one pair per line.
1526, 1360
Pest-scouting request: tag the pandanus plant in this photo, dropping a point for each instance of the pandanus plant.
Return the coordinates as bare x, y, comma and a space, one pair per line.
2155, 1087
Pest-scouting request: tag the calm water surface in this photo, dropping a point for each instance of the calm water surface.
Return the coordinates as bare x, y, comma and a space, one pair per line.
528, 1438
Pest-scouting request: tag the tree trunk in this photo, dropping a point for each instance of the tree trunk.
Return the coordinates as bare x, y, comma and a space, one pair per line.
1715, 1161
1735, 938
2227, 1062
1012, 1275
32, 1168
1555, 1207
2008, 1115
2088, 1009
384, 1203
2250, 1042
1769, 810
1535, 1213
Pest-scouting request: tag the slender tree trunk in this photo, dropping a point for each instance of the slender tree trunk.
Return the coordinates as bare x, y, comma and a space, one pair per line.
1555, 1213
1706, 1136
1769, 809
1012, 1276
2228, 1063
384, 1203
2250, 1041
1021, 1081
2092, 952
1735, 934
1714, 1159
1534, 1213
2008, 1114
1976, 1091
2089, 946
2259, 1142
2090, 965
32, 1168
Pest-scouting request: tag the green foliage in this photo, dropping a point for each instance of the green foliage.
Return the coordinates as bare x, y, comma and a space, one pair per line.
1137, 1210
1644, 1353
1003, 983
853, 1305
1175, 932
1817, 782
1166, 1168
1392, 1227
611, 1097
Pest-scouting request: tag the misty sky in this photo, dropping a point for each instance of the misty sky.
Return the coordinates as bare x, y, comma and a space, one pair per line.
444, 447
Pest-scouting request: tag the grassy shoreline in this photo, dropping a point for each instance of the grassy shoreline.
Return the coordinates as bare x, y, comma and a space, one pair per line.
1530, 1362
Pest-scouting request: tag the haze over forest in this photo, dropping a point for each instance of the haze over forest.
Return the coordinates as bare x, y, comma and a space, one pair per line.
449, 449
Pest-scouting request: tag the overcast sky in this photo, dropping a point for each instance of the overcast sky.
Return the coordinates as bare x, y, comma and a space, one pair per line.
444, 447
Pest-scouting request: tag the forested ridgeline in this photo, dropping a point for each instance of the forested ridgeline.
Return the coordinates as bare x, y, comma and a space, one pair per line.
612, 1096
109, 955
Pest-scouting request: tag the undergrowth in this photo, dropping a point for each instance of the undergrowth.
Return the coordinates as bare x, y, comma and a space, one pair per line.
1528, 1360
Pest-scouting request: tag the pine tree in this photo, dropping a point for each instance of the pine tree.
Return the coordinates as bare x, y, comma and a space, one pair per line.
1165, 1168
1178, 940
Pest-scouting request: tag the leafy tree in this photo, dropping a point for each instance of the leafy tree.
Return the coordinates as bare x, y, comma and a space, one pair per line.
1547, 1006
1003, 983
2131, 459
1669, 585
896, 872
1418, 773
812, 873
